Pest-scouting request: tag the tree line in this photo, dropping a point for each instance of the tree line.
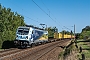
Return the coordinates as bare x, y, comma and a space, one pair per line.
9, 21
85, 33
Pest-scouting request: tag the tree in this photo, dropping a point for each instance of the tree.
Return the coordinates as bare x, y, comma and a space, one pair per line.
77, 35
51, 31
9, 22
85, 32
66, 32
87, 28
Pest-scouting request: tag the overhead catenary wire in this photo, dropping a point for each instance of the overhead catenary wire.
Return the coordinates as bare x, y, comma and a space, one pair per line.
32, 18
45, 6
28, 17
67, 28
48, 9
53, 15
44, 11
47, 13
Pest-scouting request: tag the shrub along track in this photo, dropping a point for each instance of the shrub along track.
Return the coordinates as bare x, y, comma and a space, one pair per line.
34, 53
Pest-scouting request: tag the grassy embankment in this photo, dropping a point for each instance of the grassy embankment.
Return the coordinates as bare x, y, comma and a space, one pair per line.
67, 51
73, 51
85, 45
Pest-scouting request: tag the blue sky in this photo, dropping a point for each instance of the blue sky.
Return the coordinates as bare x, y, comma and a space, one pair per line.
57, 13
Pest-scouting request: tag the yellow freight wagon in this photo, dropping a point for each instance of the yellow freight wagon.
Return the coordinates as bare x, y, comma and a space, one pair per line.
73, 37
65, 36
60, 36
57, 35
69, 36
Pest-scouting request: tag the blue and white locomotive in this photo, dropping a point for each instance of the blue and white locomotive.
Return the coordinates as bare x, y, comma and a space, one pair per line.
30, 36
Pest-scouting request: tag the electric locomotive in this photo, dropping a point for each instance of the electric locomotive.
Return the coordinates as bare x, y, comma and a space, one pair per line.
30, 36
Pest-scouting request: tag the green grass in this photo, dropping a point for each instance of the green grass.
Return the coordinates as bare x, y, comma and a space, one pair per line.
86, 49
83, 44
66, 51
80, 43
80, 40
87, 54
61, 55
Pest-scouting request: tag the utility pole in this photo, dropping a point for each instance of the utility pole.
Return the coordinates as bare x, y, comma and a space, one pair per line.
74, 31
46, 28
71, 34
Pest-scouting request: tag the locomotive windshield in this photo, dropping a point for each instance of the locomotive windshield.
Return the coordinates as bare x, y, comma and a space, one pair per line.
23, 31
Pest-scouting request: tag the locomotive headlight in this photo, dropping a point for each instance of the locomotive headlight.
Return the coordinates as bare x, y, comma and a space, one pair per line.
26, 37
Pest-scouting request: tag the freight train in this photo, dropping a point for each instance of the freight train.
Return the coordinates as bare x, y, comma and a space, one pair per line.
31, 36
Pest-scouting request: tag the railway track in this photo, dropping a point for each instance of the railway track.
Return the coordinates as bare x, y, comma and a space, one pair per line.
9, 51
40, 53
31, 53
5, 50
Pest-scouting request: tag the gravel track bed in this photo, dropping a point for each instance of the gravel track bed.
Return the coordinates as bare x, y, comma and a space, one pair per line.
8, 52
39, 53
34, 53
53, 54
